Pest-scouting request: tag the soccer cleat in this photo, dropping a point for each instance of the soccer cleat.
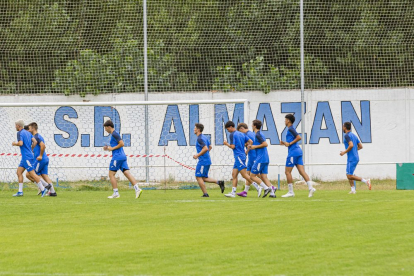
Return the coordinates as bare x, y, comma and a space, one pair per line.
259, 191
39, 192
205, 195
114, 196
272, 195
18, 194
289, 194
369, 183
44, 192
242, 194
221, 184
52, 194
230, 195
266, 192
352, 192
138, 193
311, 191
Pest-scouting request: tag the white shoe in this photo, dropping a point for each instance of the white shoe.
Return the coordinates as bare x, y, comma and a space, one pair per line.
369, 183
311, 191
352, 192
289, 194
259, 191
230, 195
114, 196
138, 193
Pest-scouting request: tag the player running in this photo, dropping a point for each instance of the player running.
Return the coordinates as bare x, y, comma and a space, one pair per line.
24, 141
41, 164
294, 157
251, 156
237, 144
261, 163
352, 146
203, 147
119, 161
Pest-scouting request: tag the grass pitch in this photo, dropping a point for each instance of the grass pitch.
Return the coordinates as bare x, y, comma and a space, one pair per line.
178, 233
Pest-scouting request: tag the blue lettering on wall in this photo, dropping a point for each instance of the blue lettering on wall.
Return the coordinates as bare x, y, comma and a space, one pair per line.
363, 126
265, 114
66, 126
102, 138
194, 119
221, 117
85, 140
172, 116
323, 112
293, 108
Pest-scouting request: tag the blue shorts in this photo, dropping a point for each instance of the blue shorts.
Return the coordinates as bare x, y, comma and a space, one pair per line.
202, 170
27, 164
41, 167
117, 165
350, 167
294, 161
260, 168
250, 164
239, 163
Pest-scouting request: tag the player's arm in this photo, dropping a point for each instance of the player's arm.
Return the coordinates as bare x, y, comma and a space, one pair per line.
209, 148
120, 145
231, 145
19, 142
34, 143
202, 152
360, 147
295, 134
350, 146
42, 150
261, 140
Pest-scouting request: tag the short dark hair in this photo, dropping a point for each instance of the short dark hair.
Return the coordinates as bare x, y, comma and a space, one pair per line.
242, 125
26, 127
200, 127
348, 125
109, 123
229, 124
257, 124
33, 125
291, 118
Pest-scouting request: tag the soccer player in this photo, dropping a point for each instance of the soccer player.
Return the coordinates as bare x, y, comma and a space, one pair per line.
251, 156
203, 147
237, 144
41, 160
119, 161
24, 141
294, 157
352, 146
261, 163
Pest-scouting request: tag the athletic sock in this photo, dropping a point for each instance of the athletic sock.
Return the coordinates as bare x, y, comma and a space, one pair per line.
40, 185
263, 186
44, 183
309, 185
290, 187
233, 190
364, 180
255, 185
136, 187
115, 191
246, 188
20, 187
353, 188
52, 189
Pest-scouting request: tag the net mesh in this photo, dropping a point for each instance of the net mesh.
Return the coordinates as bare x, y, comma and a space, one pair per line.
93, 47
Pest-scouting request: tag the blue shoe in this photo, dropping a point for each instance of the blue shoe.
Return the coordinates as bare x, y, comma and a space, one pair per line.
18, 194
44, 192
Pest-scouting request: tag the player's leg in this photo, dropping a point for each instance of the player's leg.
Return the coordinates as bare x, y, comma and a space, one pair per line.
42, 169
263, 176
246, 176
36, 178
255, 185
289, 178
208, 179
199, 174
49, 181
114, 184
131, 178
350, 169
203, 188
234, 174
357, 178
19, 173
302, 172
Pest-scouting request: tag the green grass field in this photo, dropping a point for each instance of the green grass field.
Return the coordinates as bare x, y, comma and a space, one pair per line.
176, 232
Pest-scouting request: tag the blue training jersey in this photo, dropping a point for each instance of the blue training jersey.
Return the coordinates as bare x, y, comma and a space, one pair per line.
252, 153
238, 139
117, 154
36, 150
353, 153
294, 149
26, 149
202, 142
262, 155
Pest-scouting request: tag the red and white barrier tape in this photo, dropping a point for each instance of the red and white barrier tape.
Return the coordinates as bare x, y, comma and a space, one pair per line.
108, 155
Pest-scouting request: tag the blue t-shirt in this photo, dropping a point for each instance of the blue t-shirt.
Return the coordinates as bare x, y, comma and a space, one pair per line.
36, 150
238, 139
117, 154
262, 155
202, 142
353, 153
26, 149
294, 149
252, 153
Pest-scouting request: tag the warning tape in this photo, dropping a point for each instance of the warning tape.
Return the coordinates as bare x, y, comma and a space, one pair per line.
107, 155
